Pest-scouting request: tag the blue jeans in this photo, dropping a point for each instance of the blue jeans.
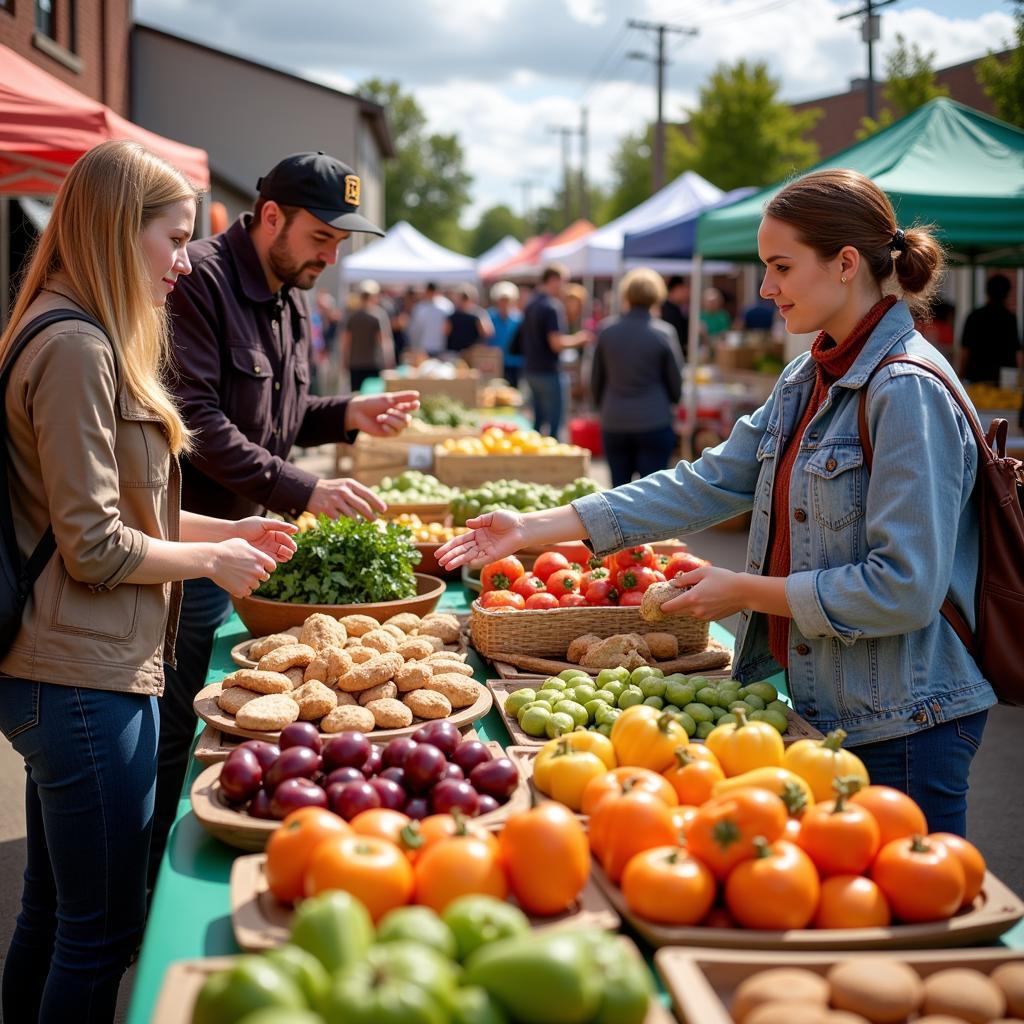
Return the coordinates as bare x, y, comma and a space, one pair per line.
546, 395
932, 766
204, 608
643, 453
90, 759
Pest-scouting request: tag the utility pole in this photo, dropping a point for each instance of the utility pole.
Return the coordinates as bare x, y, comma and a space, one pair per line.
870, 32
659, 61
584, 147
526, 185
567, 134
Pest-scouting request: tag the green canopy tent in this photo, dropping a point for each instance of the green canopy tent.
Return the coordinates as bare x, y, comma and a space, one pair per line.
944, 164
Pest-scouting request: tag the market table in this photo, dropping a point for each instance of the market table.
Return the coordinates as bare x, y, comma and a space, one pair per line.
191, 914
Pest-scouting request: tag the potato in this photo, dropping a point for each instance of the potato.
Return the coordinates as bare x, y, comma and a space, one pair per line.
654, 597
787, 1012
883, 990
791, 984
964, 993
1010, 979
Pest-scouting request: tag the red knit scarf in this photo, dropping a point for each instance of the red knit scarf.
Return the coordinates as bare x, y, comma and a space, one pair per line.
833, 362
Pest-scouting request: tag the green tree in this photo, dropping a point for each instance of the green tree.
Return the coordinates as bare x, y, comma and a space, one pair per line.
631, 168
1003, 80
427, 183
910, 83
494, 224
742, 133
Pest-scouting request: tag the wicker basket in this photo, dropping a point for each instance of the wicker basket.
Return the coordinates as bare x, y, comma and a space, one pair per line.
547, 633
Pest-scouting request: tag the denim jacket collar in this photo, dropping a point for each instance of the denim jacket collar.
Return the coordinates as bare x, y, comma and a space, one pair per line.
893, 327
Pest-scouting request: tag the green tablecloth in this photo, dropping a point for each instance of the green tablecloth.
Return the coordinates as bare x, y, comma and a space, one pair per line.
191, 913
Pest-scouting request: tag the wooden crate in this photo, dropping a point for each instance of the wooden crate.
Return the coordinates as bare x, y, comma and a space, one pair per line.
473, 470
374, 458
462, 388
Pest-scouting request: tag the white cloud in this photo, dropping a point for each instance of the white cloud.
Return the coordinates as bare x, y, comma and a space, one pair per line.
499, 73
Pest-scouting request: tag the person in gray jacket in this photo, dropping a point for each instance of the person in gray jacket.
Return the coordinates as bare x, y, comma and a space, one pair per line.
637, 378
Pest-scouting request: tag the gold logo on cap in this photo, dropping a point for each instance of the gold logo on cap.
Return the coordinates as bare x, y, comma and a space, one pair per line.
352, 189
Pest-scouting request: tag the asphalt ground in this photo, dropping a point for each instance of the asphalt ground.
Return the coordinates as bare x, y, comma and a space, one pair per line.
995, 810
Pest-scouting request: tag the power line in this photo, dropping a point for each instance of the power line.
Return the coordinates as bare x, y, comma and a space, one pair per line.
870, 31
616, 43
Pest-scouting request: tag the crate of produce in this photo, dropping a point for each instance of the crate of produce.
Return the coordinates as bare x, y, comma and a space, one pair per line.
547, 633
705, 983
374, 458
462, 388
413, 493
558, 469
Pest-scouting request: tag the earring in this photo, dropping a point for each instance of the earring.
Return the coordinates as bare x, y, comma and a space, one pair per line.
843, 279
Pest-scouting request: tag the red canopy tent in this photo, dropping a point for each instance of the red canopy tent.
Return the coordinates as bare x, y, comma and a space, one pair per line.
45, 126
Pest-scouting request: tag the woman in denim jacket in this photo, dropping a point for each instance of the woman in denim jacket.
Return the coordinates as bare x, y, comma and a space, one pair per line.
846, 570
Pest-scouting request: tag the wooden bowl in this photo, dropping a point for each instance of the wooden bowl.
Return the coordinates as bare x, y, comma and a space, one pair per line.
263, 617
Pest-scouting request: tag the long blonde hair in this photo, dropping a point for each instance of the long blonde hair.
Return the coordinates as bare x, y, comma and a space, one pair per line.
107, 199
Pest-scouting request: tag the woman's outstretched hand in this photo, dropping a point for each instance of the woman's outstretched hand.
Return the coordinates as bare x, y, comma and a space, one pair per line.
492, 536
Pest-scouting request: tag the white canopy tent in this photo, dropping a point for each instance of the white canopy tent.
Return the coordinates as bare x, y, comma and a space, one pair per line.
600, 253
404, 256
498, 253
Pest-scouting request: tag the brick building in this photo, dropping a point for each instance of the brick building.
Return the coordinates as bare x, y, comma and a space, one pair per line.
82, 42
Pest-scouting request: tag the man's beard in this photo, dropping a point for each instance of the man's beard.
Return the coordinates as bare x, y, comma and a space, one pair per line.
284, 267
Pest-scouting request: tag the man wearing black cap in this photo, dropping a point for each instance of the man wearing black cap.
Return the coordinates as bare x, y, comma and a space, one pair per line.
241, 336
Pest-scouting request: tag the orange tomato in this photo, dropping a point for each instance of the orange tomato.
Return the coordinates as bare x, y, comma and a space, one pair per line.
777, 888
723, 830
456, 867
546, 858
619, 780
435, 827
373, 870
291, 845
681, 818
921, 878
970, 859
851, 901
382, 823
841, 838
897, 815
667, 885
628, 825
693, 777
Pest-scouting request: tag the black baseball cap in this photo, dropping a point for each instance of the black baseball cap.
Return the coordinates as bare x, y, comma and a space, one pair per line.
321, 185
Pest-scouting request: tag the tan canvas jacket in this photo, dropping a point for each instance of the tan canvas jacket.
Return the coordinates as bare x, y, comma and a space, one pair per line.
88, 459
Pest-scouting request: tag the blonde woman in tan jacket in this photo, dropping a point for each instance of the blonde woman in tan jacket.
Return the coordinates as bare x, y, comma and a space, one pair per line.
92, 443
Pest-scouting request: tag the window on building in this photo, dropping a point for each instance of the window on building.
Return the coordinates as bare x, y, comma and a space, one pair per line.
7, 5
46, 18
72, 26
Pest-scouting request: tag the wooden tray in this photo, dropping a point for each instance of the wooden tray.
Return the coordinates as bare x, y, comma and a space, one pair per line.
206, 708
261, 922
715, 659
799, 728
246, 833
996, 910
240, 652
214, 745
702, 981
509, 671
185, 978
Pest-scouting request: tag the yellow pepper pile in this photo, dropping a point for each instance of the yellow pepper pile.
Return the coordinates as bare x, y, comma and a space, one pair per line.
495, 441
428, 533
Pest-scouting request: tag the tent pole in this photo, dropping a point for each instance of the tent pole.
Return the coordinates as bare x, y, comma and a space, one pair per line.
1019, 291
692, 353
5, 260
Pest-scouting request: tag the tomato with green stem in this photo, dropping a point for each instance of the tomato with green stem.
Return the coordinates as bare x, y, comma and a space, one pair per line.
500, 575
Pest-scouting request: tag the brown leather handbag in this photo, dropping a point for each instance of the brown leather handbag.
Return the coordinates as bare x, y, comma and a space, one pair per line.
999, 599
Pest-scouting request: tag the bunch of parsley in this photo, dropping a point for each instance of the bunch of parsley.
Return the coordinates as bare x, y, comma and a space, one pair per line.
346, 561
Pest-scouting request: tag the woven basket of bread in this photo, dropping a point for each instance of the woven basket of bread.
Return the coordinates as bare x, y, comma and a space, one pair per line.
548, 632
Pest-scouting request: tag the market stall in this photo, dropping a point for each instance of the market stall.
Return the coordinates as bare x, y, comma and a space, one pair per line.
406, 256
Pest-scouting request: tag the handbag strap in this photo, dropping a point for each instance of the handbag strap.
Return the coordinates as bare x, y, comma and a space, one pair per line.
27, 574
949, 611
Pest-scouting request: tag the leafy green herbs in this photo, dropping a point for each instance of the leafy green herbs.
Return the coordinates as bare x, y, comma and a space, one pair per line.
346, 561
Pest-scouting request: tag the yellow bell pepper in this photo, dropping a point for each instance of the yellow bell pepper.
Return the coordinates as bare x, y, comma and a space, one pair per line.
744, 745
582, 740
821, 762
644, 737
565, 772
794, 790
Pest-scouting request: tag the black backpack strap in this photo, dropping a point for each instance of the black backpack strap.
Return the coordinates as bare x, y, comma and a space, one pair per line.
28, 572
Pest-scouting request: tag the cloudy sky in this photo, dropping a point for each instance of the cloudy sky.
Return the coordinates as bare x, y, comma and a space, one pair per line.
500, 73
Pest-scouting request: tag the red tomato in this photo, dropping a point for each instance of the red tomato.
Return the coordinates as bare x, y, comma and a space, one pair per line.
642, 555
502, 574
683, 561
593, 576
542, 600
601, 593
549, 562
528, 585
572, 601
638, 578
565, 581
502, 599
631, 598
